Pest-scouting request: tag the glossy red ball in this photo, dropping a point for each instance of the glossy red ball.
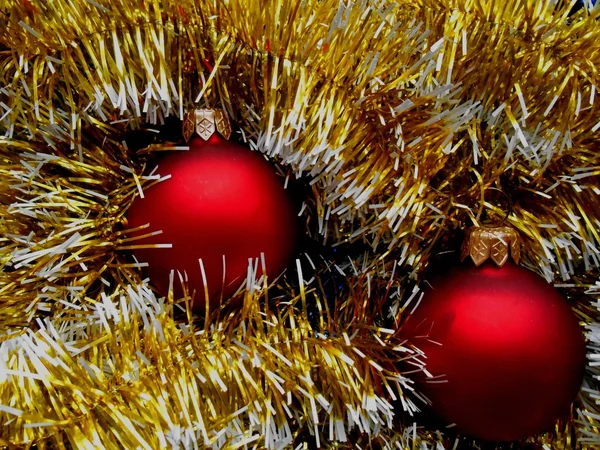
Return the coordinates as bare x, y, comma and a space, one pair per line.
222, 204
506, 351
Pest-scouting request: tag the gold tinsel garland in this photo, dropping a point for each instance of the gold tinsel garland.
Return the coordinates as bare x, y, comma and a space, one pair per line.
401, 113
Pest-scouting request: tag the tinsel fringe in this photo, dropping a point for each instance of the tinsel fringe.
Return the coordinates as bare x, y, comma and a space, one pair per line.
402, 115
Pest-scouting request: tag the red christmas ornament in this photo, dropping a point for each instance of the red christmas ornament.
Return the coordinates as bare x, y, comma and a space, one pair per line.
222, 201
505, 350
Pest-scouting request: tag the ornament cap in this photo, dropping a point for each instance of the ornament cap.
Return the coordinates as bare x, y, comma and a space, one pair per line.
205, 122
495, 243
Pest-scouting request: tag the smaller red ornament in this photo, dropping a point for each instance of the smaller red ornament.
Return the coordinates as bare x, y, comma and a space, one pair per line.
505, 350
223, 204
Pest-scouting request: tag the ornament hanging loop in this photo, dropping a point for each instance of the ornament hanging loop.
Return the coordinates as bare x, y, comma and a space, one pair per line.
494, 241
205, 122
507, 211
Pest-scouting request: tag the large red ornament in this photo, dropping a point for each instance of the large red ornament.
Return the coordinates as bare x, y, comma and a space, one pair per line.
505, 350
222, 201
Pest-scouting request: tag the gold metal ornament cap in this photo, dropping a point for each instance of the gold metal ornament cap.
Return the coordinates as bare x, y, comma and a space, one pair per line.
497, 243
205, 122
